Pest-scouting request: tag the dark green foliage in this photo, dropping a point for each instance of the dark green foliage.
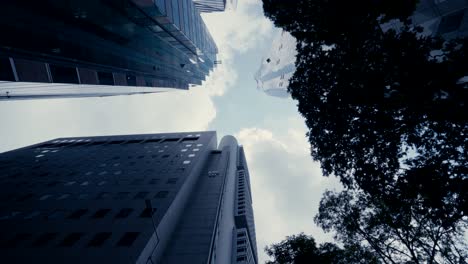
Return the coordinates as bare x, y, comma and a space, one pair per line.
396, 235
388, 115
301, 249
385, 110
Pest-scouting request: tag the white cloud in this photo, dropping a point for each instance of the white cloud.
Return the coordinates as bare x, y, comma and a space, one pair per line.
238, 30
286, 184
28, 122
235, 32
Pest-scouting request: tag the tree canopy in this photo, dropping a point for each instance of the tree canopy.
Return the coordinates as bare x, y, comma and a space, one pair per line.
403, 235
386, 111
302, 249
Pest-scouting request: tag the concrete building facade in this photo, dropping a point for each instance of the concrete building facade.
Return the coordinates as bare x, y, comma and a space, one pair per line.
156, 198
277, 66
134, 44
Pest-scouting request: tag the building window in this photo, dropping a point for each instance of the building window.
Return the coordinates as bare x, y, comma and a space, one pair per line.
44, 239
128, 239
52, 184
45, 197
70, 183
101, 183
99, 239
124, 213
147, 212
241, 250
121, 195
103, 195
137, 182
190, 139
63, 196
161, 194
141, 195
241, 242
83, 196
171, 180
101, 213
241, 258
56, 214
78, 214
32, 215
71, 239
154, 181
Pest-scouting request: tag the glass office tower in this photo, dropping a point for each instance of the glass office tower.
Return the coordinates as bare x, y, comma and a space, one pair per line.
157, 198
133, 44
277, 66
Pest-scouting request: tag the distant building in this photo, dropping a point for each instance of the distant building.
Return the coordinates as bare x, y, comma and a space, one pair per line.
277, 67
131, 44
445, 18
158, 198
208, 6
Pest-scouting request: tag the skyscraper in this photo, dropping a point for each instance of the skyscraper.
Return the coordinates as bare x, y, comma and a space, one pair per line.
158, 198
133, 44
277, 66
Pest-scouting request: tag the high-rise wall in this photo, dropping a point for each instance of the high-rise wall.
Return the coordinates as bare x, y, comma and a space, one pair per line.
126, 43
277, 66
158, 198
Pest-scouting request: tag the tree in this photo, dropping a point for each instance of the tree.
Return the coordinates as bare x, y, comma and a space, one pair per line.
396, 235
302, 249
386, 111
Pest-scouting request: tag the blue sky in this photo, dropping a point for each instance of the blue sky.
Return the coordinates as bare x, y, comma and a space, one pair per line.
286, 184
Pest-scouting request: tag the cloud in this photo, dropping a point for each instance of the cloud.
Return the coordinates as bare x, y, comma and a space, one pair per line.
286, 184
235, 32
28, 122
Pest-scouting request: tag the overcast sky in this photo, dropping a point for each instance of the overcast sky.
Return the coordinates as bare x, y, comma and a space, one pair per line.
286, 184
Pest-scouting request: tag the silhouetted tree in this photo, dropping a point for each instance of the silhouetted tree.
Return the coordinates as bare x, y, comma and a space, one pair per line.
396, 235
302, 249
386, 111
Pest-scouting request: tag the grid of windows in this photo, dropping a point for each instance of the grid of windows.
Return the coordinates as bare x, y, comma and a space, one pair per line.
96, 189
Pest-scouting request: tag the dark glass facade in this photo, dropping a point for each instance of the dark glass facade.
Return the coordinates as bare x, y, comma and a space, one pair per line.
107, 42
157, 198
